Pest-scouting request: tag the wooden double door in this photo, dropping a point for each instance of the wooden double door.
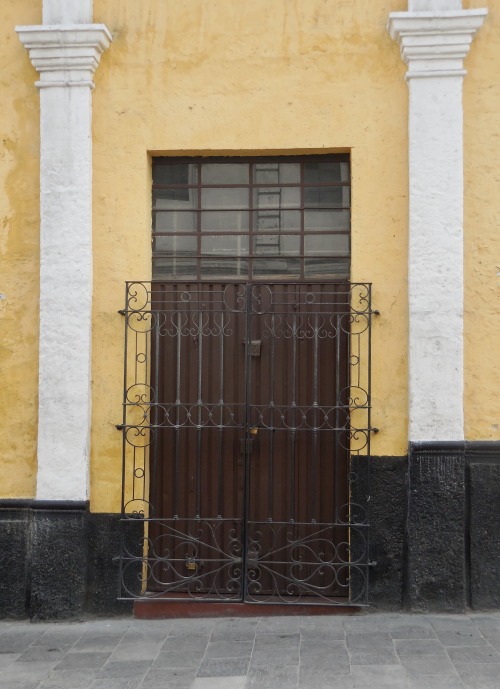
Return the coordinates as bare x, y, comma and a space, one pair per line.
250, 438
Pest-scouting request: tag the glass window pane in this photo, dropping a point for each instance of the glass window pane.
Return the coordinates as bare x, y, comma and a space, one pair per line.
326, 221
175, 173
236, 245
224, 221
338, 267
175, 198
326, 172
327, 244
276, 220
167, 268
276, 267
224, 198
174, 244
223, 267
276, 173
336, 197
174, 221
276, 244
276, 197
225, 173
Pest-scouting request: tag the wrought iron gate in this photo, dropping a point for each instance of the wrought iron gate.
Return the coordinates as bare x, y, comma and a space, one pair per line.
246, 442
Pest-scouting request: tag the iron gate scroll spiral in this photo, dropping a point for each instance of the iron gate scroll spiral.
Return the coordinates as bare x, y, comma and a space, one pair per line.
246, 442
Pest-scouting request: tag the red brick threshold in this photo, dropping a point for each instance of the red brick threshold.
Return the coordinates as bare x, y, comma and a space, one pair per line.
151, 609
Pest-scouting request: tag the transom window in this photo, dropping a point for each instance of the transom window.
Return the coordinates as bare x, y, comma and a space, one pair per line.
251, 218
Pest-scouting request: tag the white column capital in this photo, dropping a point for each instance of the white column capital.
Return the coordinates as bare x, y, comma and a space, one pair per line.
435, 43
65, 55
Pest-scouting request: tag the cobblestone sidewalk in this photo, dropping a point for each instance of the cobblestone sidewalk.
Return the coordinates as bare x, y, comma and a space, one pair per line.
386, 651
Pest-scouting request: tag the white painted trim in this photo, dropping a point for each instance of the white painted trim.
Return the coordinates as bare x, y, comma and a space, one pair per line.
434, 45
65, 55
66, 58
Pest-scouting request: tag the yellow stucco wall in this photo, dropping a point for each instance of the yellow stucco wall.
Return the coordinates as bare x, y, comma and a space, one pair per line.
253, 78
481, 225
301, 76
19, 253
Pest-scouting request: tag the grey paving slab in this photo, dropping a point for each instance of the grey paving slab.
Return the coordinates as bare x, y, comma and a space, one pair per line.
84, 660
69, 679
229, 649
219, 682
100, 641
433, 665
459, 637
120, 683
223, 667
179, 659
410, 629
434, 682
369, 640
379, 677
272, 677
178, 678
474, 654
234, 630
419, 647
374, 657
396, 650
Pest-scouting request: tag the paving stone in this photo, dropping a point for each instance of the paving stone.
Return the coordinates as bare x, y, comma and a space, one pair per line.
233, 682
192, 628
419, 647
180, 678
327, 682
26, 672
322, 632
369, 640
90, 661
488, 625
234, 630
229, 649
420, 681
326, 668
273, 677
69, 679
137, 651
124, 668
374, 657
37, 654
410, 630
320, 647
179, 659
480, 675
18, 641
452, 623
28, 684
379, 677
474, 654
223, 667
326, 662
268, 655
366, 625
100, 642
433, 665
7, 658
278, 625
188, 643
469, 637
119, 683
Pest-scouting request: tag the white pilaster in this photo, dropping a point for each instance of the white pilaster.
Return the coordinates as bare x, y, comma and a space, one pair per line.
434, 43
66, 56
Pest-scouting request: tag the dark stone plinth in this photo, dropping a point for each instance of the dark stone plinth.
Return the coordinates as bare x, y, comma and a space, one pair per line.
387, 518
106, 532
484, 533
58, 563
14, 545
435, 529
